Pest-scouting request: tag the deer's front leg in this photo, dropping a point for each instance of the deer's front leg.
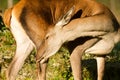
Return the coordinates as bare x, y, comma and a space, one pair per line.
100, 67
102, 48
75, 60
76, 57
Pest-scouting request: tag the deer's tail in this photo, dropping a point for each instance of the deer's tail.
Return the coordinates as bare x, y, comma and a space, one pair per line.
7, 17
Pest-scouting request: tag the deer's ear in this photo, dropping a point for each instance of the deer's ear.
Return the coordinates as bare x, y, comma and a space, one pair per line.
66, 18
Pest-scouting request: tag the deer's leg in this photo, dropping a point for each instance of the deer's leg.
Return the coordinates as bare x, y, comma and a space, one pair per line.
41, 67
22, 52
101, 48
41, 70
76, 57
100, 67
24, 47
75, 60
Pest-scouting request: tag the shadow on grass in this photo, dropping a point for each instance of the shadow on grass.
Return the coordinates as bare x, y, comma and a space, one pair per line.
112, 70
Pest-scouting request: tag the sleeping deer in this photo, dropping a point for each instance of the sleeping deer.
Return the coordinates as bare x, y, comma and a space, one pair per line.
86, 25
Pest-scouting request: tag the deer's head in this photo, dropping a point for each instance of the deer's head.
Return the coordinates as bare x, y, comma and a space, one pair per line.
54, 37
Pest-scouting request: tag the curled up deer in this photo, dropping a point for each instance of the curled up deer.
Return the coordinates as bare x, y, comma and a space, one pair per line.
89, 26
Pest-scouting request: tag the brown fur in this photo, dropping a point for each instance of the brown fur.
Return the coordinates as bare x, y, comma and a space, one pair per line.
36, 22
7, 17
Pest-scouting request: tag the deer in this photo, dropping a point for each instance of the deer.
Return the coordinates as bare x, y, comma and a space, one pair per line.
87, 26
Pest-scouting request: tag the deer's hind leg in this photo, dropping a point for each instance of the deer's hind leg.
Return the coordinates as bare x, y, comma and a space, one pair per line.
24, 47
22, 53
41, 67
76, 57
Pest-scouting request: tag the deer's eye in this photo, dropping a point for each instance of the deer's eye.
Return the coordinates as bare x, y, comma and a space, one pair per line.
46, 37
